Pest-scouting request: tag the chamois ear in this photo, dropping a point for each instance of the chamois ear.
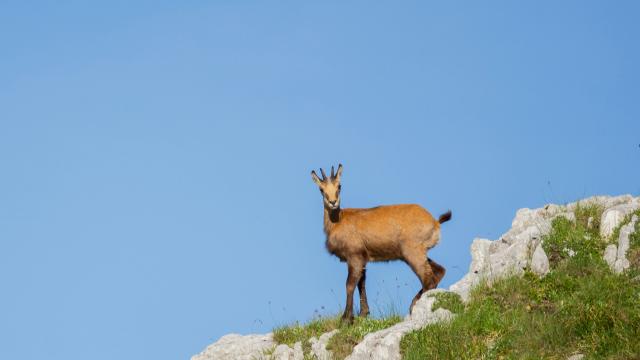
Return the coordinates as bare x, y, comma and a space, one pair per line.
315, 178
339, 172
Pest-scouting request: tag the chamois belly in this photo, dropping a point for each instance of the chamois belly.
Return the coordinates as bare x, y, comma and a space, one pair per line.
380, 249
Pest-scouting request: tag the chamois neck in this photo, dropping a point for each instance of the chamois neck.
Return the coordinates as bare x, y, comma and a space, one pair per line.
331, 218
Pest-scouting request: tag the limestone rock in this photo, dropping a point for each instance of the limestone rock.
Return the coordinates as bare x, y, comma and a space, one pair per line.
610, 255
613, 216
616, 255
540, 261
237, 347
622, 263
319, 346
510, 255
480, 249
284, 352
602, 200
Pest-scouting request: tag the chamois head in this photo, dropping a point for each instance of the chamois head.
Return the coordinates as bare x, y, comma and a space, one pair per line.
329, 187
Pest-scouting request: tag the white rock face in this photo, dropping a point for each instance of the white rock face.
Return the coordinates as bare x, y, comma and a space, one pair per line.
613, 216
319, 346
610, 255
516, 250
480, 249
540, 261
616, 256
234, 346
284, 352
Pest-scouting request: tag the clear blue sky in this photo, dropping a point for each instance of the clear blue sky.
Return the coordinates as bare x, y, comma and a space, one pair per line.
155, 156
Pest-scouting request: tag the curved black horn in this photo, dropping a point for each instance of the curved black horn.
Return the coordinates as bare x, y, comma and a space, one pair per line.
332, 173
324, 177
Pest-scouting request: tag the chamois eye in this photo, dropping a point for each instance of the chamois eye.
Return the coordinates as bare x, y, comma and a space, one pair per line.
339, 187
321, 191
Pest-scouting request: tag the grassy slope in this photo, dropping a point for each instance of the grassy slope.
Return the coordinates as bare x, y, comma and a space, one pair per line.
580, 306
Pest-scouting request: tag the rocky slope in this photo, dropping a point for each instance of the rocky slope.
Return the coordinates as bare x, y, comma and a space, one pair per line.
516, 250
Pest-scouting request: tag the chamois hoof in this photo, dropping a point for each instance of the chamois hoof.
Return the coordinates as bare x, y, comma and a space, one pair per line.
364, 313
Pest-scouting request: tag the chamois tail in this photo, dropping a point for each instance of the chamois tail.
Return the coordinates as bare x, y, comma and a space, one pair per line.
445, 217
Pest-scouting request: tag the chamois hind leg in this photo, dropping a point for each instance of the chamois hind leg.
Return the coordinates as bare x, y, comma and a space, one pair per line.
364, 306
422, 269
356, 266
438, 271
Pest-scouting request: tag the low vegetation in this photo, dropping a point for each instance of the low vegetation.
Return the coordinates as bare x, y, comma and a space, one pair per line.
450, 301
342, 343
303, 332
579, 307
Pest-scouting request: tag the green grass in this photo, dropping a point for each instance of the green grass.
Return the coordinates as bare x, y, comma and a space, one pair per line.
567, 237
342, 343
303, 332
588, 216
450, 301
580, 306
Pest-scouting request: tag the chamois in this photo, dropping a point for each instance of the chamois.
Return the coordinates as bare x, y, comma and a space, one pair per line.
394, 232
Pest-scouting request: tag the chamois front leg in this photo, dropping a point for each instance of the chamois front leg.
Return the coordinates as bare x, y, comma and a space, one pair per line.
355, 272
364, 306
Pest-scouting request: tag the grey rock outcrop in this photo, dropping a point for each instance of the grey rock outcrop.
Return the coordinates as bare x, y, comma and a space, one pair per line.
284, 352
616, 212
240, 347
515, 251
610, 255
616, 255
539, 261
319, 346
